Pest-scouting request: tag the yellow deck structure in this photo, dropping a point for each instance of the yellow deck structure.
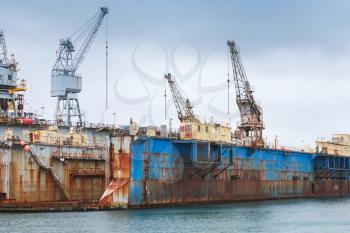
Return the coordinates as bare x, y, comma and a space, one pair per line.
339, 145
213, 132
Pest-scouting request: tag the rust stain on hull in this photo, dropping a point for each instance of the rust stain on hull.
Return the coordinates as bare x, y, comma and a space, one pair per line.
146, 178
33, 187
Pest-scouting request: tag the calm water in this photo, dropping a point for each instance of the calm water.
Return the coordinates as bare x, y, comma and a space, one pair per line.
301, 215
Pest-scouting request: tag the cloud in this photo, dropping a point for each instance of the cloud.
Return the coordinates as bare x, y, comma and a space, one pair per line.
295, 55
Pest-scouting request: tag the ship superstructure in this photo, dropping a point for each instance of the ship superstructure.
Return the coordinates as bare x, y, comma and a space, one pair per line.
338, 145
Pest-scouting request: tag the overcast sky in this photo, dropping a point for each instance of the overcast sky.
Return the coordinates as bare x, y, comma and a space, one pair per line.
296, 54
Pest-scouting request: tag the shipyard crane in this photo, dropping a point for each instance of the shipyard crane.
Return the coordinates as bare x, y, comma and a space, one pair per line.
3, 49
65, 83
251, 123
182, 104
11, 101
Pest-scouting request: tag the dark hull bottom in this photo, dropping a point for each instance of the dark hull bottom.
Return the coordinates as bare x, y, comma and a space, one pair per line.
75, 207
196, 192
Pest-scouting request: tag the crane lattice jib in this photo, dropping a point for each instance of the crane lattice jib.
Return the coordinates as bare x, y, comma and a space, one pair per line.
182, 104
3, 49
239, 75
82, 51
67, 64
242, 86
63, 64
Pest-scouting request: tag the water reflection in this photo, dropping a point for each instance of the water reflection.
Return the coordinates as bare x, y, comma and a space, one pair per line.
298, 215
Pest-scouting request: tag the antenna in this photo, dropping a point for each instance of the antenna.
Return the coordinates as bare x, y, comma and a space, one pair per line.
165, 100
228, 83
107, 62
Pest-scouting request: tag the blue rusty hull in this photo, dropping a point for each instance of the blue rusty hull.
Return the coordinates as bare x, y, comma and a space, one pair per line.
164, 171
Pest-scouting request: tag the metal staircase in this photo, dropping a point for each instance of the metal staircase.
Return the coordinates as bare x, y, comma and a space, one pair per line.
52, 173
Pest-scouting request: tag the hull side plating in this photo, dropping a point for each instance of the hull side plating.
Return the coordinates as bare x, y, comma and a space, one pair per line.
171, 172
153, 171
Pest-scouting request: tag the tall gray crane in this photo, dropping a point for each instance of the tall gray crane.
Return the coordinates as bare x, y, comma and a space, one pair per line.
3, 49
11, 102
65, 83
251, 125
183, 105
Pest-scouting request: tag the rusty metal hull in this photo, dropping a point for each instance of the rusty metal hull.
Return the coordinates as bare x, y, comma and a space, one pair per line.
163, 171
148, 171
43, 179
52, 168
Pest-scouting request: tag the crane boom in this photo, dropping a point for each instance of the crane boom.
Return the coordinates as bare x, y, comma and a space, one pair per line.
183, 105
83, 50
251, 124
68, 64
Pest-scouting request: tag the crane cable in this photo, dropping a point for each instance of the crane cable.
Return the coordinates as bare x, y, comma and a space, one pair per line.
76, 37
165, 108
228, 83
106, 61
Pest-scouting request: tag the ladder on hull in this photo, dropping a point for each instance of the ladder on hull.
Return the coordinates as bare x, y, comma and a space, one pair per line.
51, 172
